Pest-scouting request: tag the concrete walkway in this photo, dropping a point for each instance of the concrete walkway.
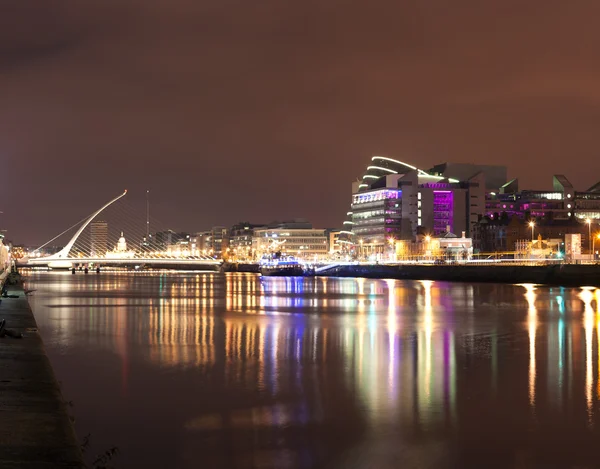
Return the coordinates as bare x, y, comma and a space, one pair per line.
35, 430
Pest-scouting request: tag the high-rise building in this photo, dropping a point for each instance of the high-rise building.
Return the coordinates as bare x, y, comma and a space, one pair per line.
98, 238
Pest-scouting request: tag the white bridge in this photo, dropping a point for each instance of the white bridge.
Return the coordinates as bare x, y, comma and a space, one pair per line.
65, 259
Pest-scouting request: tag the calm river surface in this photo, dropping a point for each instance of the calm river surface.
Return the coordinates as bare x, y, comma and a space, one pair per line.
205, 370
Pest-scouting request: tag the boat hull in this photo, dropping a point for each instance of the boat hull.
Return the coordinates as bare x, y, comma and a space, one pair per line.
288, 271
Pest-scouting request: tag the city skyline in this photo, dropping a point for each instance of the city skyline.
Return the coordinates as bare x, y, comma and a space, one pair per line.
265, 112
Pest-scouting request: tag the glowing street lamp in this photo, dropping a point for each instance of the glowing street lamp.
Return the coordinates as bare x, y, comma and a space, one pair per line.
589, 223
427, 247
392, 243
532, 226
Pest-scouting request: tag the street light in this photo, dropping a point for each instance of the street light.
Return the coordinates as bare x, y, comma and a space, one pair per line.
427, 240
532, 226
589, 223
392, 242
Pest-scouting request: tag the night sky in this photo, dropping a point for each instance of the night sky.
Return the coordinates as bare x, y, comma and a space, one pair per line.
239, 110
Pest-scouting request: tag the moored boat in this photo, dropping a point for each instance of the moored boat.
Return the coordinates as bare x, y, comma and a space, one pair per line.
282, 266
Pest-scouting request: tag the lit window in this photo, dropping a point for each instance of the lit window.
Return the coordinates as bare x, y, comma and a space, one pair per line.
419, 196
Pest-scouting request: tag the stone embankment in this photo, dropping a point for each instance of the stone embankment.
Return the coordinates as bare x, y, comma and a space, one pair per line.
560, 274
35, 429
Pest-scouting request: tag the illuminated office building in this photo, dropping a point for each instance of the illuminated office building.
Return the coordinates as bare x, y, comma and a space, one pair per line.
563, 202
395, 200
306, 243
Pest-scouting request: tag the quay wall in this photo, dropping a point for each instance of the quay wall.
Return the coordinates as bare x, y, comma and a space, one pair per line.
35, 428
241, 267
564, 274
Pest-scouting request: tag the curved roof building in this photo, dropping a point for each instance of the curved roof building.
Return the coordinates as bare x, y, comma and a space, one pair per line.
396, 200
384, 166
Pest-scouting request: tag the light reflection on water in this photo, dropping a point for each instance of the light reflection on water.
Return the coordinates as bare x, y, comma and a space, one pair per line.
212, 370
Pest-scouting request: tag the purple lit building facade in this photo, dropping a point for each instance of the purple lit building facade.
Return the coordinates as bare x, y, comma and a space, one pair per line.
397, 201
555, 214
561, 203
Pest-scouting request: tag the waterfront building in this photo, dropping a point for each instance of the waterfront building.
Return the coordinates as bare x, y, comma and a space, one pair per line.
162, 239
448, 246
202, 242
193, 244
184, 247
455, 247
219, 241
305, 243
563, 202
504, 233
497, 234
98, 238
398, 201
240, 240
333, 241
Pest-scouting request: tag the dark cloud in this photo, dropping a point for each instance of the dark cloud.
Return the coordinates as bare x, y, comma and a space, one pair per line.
235, 110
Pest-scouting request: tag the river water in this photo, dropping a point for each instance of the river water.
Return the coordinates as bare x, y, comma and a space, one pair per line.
206, 370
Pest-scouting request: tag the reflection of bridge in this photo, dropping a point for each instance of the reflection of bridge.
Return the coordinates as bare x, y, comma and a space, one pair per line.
66, 258
67, 263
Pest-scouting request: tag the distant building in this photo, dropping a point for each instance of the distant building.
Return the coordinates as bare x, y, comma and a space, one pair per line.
497, 235
98, 238
503, 234
240, 239
561, 203
306, 243
333, 241
120, 251
204, 243
219, 241
162, 239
